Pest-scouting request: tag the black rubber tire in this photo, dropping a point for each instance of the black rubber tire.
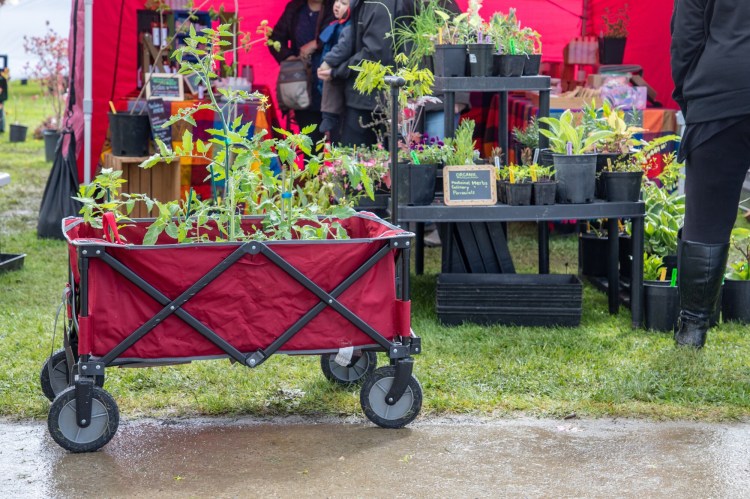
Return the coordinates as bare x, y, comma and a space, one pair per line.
360, 368
64, 429
372, 399
54, 375
52, 386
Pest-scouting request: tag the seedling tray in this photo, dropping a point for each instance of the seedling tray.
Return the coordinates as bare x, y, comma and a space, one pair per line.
10, 261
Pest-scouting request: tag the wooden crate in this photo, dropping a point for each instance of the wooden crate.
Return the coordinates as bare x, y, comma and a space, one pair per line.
161, 182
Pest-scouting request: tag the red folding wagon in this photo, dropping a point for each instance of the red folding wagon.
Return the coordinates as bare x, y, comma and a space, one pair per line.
136, 305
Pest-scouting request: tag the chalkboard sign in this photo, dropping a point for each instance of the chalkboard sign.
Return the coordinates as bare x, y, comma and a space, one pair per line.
158, 114
168, 86
469, 185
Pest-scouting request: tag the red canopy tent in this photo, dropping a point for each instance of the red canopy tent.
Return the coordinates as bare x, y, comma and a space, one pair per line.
114, 46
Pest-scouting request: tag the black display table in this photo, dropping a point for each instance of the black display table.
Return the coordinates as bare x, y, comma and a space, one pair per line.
455, 216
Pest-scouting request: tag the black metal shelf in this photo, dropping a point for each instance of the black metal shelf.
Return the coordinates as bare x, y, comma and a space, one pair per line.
491, 83
439, 212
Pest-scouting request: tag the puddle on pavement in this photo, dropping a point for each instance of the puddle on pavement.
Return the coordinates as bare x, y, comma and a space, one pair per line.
446, 457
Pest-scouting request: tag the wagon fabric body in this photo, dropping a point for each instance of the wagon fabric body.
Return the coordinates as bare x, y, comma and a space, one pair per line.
135, 304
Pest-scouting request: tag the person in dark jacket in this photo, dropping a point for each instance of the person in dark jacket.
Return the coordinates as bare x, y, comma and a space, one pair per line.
4, 75
710, 39
297, 31
338, 46
371, 22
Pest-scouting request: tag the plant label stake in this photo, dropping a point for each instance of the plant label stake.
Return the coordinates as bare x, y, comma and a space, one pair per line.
415, 158
536, 156
532, 170
673, 281
663, 275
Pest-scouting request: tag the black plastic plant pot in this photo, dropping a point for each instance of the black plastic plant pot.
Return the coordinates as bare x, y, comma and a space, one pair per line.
546, 157
11, 261
17, 133
735, 302
532, 65
545, 192
576, 177
661, 305
622, 186
611, 50
518, 194
501, 194
50, 143
428, 63
480, 59
508, 65
510, 299
130, 134
450, 60
416, 184
593, 255
602, 160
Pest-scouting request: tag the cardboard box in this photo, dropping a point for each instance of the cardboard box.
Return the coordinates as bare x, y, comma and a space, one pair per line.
570, 100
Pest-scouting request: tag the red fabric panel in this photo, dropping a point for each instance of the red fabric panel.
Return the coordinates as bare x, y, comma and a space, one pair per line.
648, 40
249, 305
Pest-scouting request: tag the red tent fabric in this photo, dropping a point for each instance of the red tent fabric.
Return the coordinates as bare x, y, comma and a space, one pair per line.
115, 45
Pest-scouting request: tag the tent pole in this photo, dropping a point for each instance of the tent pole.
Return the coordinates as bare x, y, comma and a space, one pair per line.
584, 16
88, 107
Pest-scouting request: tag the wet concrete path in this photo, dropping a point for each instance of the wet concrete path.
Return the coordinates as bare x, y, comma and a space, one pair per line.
432, 458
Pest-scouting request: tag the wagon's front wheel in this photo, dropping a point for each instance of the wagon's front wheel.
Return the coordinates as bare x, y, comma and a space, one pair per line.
372, 399
63, 424
358, 369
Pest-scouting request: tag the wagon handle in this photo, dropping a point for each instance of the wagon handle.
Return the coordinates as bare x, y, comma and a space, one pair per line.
109, 224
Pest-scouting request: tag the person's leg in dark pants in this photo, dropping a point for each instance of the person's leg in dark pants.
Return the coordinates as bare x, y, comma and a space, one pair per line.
353, 133
306, 117
715, 172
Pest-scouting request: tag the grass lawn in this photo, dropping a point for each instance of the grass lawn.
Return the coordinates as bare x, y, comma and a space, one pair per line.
602, 368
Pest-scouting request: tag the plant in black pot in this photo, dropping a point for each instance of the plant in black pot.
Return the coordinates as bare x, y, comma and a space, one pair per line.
735, 301
622, 181
509, 58
49, 66
516, 182
614, 35
531, 47
417, 170
526, 138
417, 35
575, 168
544, 184
661, 296
618, 146
17, 130
450, 49
480, 48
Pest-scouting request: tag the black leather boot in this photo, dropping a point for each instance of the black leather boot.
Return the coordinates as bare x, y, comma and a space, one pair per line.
700, 273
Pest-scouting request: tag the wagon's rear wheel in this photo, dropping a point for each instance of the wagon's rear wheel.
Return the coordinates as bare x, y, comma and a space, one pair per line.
54, 375
63, 424
372, 399
358, 369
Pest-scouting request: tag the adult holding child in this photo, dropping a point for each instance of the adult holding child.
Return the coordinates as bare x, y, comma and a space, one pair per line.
338, 46
297, 31
371, 23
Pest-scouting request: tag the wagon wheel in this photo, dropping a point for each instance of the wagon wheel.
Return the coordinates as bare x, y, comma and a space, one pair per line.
54, 375
63, 426
372, 399
358, 369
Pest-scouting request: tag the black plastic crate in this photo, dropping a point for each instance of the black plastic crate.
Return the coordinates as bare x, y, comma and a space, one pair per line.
509, 299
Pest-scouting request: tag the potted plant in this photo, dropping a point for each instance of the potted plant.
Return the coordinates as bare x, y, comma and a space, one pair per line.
459, 150
517, 185
531, 46
661, 305
50, 67
575, 168
614, 36
480, 46
417, 35
735, 302
526, 138
618, 146
450, 49
417, 170
17, 131
593, 245
622, 181
544, 184
508, 60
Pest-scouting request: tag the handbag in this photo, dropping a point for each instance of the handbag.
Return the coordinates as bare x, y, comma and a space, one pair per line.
293, 88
